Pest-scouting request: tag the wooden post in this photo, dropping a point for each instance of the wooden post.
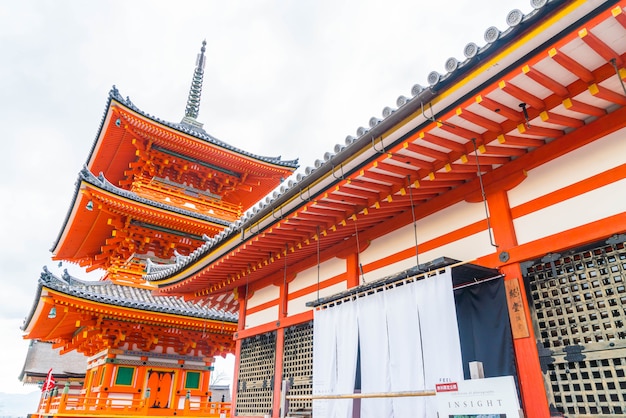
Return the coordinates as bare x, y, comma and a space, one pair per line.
534, 397
241, 325
278, 371
352, 270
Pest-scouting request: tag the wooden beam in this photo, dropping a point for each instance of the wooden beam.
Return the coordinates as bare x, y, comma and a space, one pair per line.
547, 82
600, 47
571, 65
521, 95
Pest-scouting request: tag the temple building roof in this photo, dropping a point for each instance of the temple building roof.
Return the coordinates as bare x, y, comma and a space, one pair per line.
91, 227
184, 128
41, 356
92, 316
128, 297
544, 82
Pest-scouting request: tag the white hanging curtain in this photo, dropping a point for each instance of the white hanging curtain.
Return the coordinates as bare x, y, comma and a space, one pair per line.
335, 348
406, 367
324, 359
347, 350
408, 338
440, 332
373, 343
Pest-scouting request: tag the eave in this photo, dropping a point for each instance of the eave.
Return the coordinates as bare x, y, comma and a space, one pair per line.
96, 203
114, 150
426, 155
92, 316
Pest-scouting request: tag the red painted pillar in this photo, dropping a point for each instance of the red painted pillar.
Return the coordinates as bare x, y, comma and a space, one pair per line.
352, 270
280, 343
241, 325
278, 371
534, 398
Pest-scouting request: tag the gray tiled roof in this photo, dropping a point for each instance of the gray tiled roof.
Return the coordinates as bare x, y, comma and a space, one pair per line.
41, 357
474, 55
130, 297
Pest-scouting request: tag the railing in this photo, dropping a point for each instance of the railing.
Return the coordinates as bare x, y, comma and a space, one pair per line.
68, 405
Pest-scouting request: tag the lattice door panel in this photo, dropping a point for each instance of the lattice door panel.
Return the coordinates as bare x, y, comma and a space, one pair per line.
578, 305
255, 388
298, 364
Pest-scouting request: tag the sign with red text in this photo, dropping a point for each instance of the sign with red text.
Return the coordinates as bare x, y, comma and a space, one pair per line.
494, 397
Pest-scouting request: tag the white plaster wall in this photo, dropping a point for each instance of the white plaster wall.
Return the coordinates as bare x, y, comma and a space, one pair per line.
308, 277
466, 249
436, 225
298, 305
198, 364
595, 205
262, 317
263, 295
585, 162
119, 399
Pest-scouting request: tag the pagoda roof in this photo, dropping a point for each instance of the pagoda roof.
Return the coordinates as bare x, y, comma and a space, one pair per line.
115, 150
80, 219
547, 84
131, 297
92, 316
184, 128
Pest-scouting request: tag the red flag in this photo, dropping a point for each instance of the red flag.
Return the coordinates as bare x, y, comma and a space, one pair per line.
49, 383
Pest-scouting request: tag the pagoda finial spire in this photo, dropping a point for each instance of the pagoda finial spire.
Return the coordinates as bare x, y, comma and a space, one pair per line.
193, 101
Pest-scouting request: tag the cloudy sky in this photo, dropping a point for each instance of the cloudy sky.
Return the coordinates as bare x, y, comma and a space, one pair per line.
289, 78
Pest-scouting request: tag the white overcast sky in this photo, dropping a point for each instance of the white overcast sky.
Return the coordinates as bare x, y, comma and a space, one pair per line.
289, 78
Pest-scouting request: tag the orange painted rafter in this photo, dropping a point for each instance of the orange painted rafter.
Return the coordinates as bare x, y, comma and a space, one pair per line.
511, 114
442, 142
377, 176
585, 108
316, 210
557, 119
521, 95
619, 15
571, 65
425, 151
520, 141
547, 82
297, 224
449, 176
484, 160
599, 47
404, 170
464, 168
328, 202
428, 184
460, 132
410, 164
603, 93
498, 150
476, 119
361, 192
539, 131
372, 189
